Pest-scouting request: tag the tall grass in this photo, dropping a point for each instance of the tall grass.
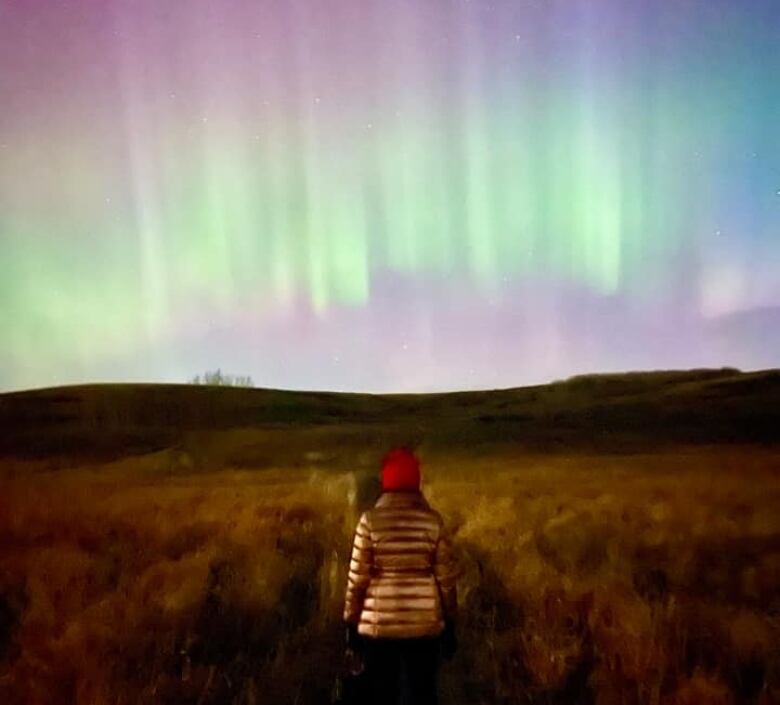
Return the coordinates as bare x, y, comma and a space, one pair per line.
586, 579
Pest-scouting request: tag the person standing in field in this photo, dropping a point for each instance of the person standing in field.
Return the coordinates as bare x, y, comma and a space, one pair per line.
401, 600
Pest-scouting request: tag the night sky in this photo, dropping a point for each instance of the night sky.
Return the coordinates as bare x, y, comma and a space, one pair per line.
405, 195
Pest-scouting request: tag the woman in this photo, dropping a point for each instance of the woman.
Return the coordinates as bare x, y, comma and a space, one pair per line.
401, 599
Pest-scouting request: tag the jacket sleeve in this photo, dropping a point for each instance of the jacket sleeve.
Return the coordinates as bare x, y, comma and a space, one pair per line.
359, 571
446, 571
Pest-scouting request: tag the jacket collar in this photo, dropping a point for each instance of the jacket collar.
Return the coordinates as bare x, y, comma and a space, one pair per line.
402, 499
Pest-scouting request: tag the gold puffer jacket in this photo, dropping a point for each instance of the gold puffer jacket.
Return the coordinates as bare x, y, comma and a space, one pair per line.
402, 576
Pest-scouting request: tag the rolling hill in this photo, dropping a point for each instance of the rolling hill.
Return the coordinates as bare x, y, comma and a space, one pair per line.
609, 412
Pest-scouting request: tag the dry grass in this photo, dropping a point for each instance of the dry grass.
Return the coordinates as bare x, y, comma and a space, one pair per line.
606, 579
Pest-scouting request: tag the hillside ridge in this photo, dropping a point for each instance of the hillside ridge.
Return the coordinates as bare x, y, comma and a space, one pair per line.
610, 410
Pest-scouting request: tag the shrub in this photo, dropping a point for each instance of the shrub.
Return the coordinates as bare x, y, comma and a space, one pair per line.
217, 378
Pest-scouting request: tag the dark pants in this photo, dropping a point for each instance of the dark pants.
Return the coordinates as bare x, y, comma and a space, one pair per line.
402, 671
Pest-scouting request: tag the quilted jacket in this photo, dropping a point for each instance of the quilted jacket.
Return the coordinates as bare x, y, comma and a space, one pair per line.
402, 573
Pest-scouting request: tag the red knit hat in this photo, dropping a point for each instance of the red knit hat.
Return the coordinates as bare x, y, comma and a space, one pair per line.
400, 471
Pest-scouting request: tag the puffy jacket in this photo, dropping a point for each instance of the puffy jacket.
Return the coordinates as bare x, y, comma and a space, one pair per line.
402, 574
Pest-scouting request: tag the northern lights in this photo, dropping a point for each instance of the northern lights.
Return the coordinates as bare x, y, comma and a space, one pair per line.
387, 196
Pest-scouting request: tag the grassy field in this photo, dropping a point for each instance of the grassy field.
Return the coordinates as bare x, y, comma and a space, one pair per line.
212, 570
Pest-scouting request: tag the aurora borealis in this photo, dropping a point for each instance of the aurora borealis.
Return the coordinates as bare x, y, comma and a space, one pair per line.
403, 195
